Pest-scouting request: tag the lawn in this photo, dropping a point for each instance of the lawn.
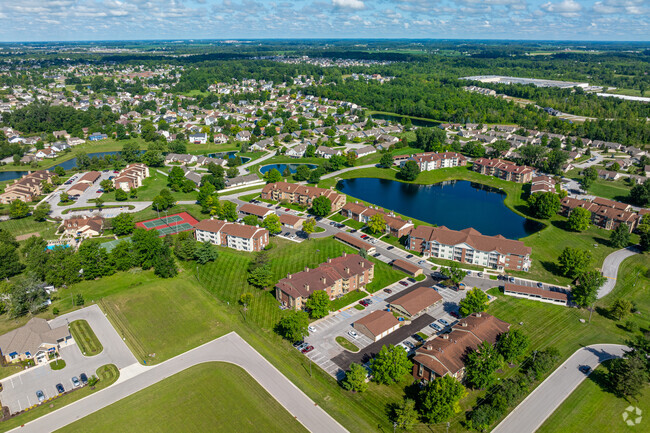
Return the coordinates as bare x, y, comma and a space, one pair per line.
58, 364
347, 299
85, 338
215, 397
152, 186
343, 342
385, 275
27, 225
612, 189
592, 408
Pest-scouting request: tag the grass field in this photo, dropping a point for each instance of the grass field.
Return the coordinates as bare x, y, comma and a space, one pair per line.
591, 408
611, 189
152, 186
85, 338
192, 400
26, 225
346, 344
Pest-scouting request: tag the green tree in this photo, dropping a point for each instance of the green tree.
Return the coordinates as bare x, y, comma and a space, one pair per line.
302, 173
206, 191
620, 308
454, 273
146, 245
34, 251
620, 236
586, 291
10, 264
409, 171
640, 194
60, 171
309, 226
589, 176
185, 246
512, 344
377, 223
439, 400
176, 178
574, 261
386, 160
627, 376
355, 378
475, 301
228, 211
251, 220
481, 366
272, 224
18, 209
318, 304
579, 219
121, 195
130, 152
64, 197
94, 260
164, 265
107, 185
404, 415
273, 176
390, 364
293, 325
206, 252
123, 224
314, 176
41, 211
123, 256
321, 206
261, 276
99, 202
544, 204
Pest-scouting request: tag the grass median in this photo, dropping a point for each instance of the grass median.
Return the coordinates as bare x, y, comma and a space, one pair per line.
85, 337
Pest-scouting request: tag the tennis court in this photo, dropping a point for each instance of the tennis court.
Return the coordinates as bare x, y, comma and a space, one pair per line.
112, 244
162, 221
175, 229
169, 224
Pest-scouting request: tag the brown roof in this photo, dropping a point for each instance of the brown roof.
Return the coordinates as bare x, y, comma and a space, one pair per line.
90, 177
406, 266
535, 291
349, 239
309, 191
611, 203
254, 210
503, 165
378, 321
292, 220
29, 337
473, 238
418, 300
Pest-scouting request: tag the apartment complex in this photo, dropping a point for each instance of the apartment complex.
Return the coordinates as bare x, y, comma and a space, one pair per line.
470, 246
336, 277
606, 214
395, 226
239, 237
301, 194
132, 176
445, 354
83, 227
27, 187
84, 183
432, 160
504, 170
542, 184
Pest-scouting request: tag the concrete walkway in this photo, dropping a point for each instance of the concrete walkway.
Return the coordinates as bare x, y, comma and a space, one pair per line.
610, 268
336, 173
229, 348
547, 397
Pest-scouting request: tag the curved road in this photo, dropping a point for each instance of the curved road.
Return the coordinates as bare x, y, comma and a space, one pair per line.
610, 268
547, 397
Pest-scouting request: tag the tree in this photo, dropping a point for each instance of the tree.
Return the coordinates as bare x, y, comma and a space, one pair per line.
36, 256
60, 171
404, 415
386, 160
409, 171
627, 376
293, 325
586, 291
260, 276
579, 219
620, 308
99, 202
377, 223
454, 273
64, 197
640, 194
228, 211
273, 176
390, 364
121, 195
206, 191
131, 152
589, 175
355, 378
41, 211
544, 204
430, 139
318, 304
309, 226
321, 206
146, 245
439, 400
314, 176
476, 301
10, 264
94, 260
302, 173
164, 265
620, 236
185, 246
573, 261
123, 256
176, 178
481, 365
512, 344
272, 224
251, 220
18, 209
27, 295
107, 185
206, 252
123, 224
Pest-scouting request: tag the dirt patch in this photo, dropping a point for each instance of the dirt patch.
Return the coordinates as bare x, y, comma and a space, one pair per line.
27, 236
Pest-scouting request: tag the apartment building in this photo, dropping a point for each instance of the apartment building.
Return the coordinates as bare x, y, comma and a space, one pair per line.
239, 237
431, 160
82, 227
504, 170
27, 187
132, 176
301, 194
395, 226
605, 213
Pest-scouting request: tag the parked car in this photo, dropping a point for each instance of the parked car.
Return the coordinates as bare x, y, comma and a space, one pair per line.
364, 302
404, 283
352, 333
376, 255
302, 346
311, 328
287, 210
298, 343
418, 338
40, 395
455, 314
84, 378
390, 247
421, 262
59, 388
444, 322
307, 349
413, 280
540, 285
409, 256
469, 272
435, 326
389, 291
75, 381
511, 279
409, 344
480, 274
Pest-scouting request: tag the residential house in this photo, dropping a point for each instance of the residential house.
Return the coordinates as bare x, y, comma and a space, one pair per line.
82, 227
35, 340
301, 194
182, 158
327, 152
45, 153
291, 221
608, 175
220, 138
243, 136
237, 236
200, 138
74, 141
97, 136
297, 151
363, 151
247, 179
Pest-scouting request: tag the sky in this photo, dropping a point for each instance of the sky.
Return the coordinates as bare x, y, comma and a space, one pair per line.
69, 20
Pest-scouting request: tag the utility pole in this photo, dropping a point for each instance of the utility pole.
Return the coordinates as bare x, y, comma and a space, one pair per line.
394, 426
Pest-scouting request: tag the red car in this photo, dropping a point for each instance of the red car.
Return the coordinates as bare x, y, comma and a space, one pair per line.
287, 210
388, 291
307, 349
455, 314
404, 283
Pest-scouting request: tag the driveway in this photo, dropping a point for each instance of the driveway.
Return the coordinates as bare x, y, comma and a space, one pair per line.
229, 348
19, 391
546, 398
610, 268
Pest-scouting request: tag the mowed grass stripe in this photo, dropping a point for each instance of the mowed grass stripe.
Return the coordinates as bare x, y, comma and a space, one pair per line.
85, 338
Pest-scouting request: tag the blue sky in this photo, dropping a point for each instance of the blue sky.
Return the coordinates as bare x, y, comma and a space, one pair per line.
47, 20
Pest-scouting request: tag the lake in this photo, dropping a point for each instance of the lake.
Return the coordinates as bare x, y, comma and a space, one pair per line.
457, 204
67, 165
229, 155
282, 167
400, 119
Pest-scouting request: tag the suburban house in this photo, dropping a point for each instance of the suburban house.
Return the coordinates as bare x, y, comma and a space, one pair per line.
327, 152
395, 226
182, 158
605, 213
431, 160
336, 277
74, 141
301, 194
27, 187
470, 246
35, 340
82, 227
297, 151
445, 354
416, 302
608, 175
542, 184
132, 176
45, 153
365, 150
243, 136
258, 211
97, 136
247, 179
200, 138
377, 324
232, 235
536, 294
504, 170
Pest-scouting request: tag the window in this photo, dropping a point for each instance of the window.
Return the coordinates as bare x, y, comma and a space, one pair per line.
420, 370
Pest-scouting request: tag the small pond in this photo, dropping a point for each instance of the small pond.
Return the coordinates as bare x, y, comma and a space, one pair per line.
282, 167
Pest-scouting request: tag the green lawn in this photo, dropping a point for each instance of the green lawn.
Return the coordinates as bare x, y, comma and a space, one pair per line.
591, 408
85, 338
611, 189
346, 344
58, 364
152, 186
385, 275
27, 225
347, 299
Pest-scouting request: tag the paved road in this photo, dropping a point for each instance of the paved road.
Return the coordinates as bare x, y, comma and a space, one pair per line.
243, 169
546, 398
610, 268
229, 348
336, 173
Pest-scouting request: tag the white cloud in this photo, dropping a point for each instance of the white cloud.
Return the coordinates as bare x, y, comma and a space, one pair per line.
566, 8
349, 4
632, 7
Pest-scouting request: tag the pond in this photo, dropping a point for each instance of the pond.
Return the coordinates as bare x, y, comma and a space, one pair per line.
456, 204
282, 167
401, 119
229, 155
67, 165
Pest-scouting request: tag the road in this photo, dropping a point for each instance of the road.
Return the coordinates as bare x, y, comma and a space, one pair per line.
229, 348
610, 268
243, 169
546, 398
345, 170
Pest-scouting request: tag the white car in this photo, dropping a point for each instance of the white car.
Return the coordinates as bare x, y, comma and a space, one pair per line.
311, 328
352, 334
